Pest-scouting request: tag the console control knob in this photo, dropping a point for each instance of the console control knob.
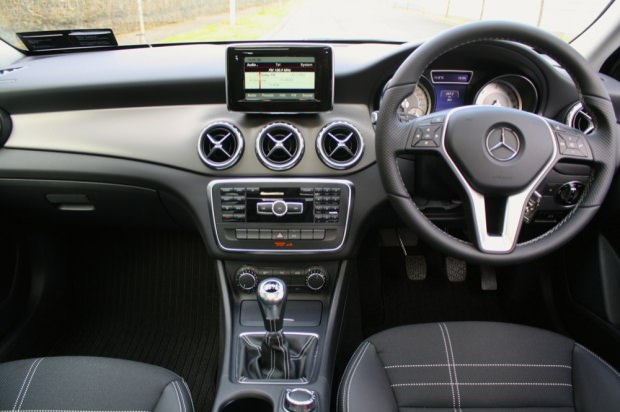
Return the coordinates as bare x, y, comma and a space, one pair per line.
300, 400
246, 278
316, 278
279, 208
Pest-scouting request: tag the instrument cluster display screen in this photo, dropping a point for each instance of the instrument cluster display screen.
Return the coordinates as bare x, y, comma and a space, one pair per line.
280, 79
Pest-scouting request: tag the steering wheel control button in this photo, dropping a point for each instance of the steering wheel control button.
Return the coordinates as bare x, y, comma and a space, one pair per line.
300, 400
279, 208
503, 144
572, 145
426, 143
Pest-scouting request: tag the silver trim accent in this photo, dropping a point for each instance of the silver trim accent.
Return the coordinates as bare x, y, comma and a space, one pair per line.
279, 144
503, 79
515, 204
347, 183
326, 158
503, 144
571, 118
233, 158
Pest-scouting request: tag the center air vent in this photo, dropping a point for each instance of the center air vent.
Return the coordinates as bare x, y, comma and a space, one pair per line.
220, 145
279, 146
578, 118
340, 145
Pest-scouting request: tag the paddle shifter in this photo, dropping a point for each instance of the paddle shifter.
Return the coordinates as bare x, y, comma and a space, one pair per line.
271, 294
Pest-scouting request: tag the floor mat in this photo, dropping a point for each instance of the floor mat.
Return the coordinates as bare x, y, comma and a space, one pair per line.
149, 297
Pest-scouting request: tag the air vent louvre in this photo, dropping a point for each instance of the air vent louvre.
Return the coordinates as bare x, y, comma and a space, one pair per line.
279, 146
220, 145
578, 118
340, 145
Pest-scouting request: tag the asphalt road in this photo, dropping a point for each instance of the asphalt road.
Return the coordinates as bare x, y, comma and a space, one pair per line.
354, 19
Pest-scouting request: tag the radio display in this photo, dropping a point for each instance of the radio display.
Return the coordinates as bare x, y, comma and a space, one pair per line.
279, 79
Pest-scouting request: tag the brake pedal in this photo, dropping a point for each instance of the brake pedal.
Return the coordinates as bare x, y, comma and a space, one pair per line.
416, 268
456, 269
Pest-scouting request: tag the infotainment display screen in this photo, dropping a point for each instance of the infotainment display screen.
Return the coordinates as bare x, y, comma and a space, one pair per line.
279, 79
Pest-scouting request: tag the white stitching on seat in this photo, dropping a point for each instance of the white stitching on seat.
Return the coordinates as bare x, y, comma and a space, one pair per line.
456, 381
38, 362
345, 407
599, 358
189, 393
19, 394
445, 345
176, 391
480, 365
568, 385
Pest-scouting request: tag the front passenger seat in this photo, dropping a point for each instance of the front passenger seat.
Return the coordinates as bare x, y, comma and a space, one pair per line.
90, 384
476, 366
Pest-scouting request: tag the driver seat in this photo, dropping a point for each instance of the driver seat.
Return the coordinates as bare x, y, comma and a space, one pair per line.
476, 366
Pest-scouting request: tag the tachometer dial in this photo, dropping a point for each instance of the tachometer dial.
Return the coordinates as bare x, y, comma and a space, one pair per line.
416, 104
499, 93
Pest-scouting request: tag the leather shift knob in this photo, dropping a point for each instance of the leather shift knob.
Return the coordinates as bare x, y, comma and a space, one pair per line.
271, 295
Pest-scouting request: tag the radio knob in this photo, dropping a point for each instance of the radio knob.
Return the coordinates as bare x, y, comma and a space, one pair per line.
246, 279
316, 278
279, 208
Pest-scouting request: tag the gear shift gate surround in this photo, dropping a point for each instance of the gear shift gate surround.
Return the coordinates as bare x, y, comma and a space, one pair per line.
294, 363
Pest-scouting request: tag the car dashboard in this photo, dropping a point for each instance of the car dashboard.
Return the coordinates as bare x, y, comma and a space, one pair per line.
145, 137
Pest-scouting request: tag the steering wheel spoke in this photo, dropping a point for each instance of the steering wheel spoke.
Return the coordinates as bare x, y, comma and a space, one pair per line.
497, 222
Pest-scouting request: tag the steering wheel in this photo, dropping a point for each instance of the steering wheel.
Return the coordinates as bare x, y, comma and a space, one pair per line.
497, 153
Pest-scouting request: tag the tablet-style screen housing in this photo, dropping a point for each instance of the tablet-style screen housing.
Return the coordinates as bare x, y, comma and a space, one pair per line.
279, 78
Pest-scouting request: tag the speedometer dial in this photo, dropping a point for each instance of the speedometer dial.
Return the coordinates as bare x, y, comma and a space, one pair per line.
416, 104
499, 93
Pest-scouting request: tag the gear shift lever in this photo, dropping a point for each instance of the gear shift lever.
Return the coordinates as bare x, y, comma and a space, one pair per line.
271, 296
279, 356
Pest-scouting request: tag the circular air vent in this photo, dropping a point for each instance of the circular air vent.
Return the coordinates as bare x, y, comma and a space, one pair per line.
578, 118
279, 146
340, 145
220, 145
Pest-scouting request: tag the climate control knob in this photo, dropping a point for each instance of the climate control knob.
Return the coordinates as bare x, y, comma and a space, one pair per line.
316, 278
246, 279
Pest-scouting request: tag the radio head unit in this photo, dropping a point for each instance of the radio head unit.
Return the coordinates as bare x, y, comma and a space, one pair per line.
280, 215
279, 78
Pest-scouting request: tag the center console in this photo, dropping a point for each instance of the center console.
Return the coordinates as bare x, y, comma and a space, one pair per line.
279, 234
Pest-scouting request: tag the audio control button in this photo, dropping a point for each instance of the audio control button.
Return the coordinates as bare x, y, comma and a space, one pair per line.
264, 208
295, 208
279, 208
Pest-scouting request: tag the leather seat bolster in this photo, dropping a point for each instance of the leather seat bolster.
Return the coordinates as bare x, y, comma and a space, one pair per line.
366, 386
90, 383
596, 383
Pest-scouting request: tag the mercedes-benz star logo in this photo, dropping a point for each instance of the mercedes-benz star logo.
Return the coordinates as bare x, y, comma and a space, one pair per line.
503, 144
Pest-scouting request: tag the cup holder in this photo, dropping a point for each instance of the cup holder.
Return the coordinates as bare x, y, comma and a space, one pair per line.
248, 404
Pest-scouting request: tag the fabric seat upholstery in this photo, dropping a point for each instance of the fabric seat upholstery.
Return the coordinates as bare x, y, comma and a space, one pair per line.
476, 366
90, 384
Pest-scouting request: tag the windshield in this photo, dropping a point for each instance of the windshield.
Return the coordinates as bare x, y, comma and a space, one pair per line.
166, 21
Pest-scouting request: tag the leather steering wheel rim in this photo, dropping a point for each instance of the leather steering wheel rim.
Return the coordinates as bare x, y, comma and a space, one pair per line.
392, 140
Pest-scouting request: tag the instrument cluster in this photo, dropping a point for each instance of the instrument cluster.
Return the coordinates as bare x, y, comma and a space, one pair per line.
446, 89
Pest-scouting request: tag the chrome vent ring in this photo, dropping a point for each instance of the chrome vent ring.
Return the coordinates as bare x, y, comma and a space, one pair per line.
220, 145
578, 118
340, 145
279, 146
